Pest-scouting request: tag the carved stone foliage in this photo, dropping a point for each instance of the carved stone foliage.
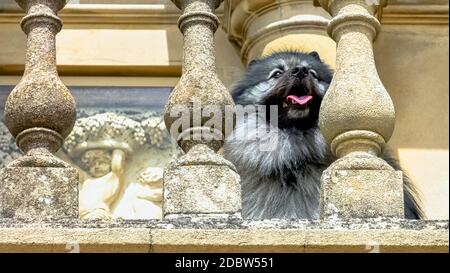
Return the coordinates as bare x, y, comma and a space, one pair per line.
107, 131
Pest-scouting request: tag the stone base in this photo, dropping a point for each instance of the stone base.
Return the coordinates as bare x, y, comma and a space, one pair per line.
201, 182
351, 194
38, 193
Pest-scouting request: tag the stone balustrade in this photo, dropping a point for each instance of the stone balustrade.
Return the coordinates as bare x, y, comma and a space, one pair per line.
202, 202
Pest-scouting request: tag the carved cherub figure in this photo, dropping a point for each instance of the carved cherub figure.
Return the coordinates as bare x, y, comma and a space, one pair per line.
98, 193
99, 145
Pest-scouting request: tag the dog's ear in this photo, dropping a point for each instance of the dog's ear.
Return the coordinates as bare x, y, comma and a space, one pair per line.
315, 55
252, 63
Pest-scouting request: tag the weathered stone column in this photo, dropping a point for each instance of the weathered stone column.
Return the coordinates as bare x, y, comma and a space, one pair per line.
201, 181
357, 118
39, 113
261, 27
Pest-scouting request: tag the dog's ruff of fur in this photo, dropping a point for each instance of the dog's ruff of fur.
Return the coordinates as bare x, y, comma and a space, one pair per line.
267, 186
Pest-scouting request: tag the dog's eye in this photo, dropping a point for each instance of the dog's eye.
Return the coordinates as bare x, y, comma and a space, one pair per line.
276, 73
313, 73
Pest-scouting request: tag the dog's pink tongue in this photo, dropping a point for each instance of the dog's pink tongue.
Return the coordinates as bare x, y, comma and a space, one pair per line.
299, 100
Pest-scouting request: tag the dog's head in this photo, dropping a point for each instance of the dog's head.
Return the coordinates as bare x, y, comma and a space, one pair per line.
294, 82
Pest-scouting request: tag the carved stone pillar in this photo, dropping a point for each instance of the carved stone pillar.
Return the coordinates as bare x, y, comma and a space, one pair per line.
39, 113
201, 181
357, 118
261, 27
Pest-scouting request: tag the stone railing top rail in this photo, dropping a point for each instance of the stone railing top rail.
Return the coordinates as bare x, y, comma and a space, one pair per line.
225, 235
231, 221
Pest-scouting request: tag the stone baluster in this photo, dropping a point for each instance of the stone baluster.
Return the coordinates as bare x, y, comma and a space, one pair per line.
357, 118
39, 113
201, 181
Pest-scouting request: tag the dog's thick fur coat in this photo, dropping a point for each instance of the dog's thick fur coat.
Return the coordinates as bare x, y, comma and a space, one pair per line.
282, 180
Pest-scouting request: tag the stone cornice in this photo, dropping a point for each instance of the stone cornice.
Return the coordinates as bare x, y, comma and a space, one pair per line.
420, 14
172, 70
239, 14
153, 14
236, 14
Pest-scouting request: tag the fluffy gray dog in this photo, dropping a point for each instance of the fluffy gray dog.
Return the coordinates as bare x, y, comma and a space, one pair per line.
281, 163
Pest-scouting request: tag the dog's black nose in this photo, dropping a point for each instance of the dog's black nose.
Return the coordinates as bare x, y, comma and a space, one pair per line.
300, 71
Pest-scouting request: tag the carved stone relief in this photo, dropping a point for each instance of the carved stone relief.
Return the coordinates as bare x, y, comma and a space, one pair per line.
120, 153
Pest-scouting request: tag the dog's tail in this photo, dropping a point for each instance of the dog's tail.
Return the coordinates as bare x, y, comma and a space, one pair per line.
413, 206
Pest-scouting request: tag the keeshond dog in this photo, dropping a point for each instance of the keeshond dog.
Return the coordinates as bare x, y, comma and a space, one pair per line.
283, 179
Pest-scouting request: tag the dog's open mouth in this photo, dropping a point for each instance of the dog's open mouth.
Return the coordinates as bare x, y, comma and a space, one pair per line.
297, 101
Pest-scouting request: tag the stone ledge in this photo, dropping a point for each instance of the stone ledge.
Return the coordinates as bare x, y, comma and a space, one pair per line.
191, 234
419, 14
88, 14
